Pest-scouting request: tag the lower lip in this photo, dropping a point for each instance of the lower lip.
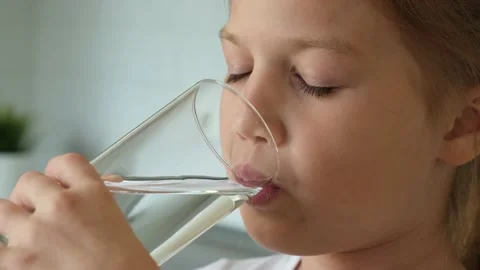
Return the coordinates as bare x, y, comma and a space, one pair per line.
266, 195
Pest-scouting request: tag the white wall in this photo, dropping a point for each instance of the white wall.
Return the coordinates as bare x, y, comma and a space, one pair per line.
103, 66
15, 54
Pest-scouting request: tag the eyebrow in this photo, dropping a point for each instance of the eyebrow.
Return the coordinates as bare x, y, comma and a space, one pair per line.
331, 44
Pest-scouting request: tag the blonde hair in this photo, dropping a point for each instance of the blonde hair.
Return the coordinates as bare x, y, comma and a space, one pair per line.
444, 36
463, 219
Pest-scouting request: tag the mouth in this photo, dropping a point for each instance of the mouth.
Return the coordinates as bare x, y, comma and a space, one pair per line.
248, 176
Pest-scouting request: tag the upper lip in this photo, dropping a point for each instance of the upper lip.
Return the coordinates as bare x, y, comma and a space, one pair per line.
248, 176
250, 183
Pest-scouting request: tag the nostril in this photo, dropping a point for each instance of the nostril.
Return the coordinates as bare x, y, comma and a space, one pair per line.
261, 140
257, 139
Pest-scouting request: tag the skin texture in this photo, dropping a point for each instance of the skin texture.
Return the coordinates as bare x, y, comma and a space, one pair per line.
363, 170
365, 174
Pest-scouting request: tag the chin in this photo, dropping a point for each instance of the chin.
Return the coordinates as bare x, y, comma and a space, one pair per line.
279, 233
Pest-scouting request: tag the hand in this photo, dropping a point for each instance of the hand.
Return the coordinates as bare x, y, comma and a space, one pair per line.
67, 219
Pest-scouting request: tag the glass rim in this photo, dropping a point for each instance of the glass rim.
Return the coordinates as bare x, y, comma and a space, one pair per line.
194, 89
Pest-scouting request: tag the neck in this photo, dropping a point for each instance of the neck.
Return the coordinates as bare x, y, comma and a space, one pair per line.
418, 249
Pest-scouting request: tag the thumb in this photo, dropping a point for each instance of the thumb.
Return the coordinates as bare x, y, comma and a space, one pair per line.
112, 178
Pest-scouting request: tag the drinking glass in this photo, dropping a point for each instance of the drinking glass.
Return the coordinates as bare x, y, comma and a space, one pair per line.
202, 156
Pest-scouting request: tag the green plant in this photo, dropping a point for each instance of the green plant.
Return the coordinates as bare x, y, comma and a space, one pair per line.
13, 129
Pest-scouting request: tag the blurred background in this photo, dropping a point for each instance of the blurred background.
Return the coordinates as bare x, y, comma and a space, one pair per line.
86, 72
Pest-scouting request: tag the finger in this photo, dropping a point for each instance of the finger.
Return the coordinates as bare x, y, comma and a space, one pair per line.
112, 178
12, 217
32, 189
72, 170
16, 258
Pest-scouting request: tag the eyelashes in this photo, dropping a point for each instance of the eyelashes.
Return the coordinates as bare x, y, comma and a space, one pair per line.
233, 78
298, 82
315, 91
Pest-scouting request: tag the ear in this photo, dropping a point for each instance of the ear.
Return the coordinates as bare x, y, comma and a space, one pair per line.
460, 143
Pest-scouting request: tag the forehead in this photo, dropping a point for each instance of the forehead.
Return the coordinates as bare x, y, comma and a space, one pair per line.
357, 21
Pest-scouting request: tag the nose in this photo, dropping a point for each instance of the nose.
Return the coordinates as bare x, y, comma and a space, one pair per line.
248, 126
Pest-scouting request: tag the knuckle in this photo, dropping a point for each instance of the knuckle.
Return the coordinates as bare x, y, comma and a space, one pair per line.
28, 177
72, 158
7, 208
27, 259
65, 160
22, 260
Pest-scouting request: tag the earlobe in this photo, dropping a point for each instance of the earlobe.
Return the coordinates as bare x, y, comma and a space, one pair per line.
461, 143
460, 150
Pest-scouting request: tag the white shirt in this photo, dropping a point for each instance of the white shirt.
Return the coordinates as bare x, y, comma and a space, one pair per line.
275, 262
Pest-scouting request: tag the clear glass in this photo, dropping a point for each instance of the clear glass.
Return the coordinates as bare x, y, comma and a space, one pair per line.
205, 144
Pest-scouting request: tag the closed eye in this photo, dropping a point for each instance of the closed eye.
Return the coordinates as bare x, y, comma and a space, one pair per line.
233, 78
315, 91
298, 81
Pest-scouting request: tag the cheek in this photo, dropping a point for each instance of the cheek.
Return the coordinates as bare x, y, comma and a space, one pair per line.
364, 160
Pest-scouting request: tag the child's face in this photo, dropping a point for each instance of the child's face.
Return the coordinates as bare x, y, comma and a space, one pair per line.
358, 163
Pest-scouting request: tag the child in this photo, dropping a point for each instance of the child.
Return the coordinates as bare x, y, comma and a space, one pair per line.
374, 108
